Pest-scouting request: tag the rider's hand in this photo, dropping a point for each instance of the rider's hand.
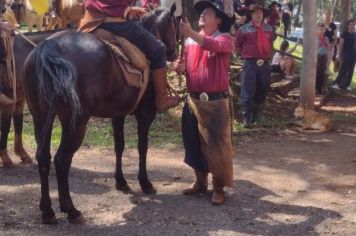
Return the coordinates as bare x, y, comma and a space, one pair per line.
6, 26
179, 66
134, 12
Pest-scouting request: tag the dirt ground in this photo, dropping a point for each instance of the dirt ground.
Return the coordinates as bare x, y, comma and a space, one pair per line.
288, 183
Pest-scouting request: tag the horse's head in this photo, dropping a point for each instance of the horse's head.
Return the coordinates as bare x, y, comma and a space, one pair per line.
161, 22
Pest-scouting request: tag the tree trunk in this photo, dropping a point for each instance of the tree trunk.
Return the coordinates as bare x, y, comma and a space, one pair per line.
346, 13
307, 83
334, 10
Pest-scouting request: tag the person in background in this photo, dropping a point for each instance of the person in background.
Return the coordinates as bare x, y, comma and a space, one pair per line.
274, 18
242, 8
331, 34
254, 44
282, 63
206, 117
323, 49
346, 57
287, 12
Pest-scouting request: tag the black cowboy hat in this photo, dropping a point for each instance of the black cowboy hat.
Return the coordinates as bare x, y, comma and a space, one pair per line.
266, 12
217, 5
274, 3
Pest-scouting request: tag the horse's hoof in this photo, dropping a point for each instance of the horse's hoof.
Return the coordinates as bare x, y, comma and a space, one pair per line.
26, 160
79, 220
8, 164
50, 221
150, 190
125, 188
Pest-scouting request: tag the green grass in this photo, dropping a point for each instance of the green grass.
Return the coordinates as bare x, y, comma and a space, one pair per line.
164, 132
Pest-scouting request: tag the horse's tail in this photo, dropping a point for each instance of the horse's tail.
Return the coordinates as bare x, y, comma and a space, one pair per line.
57, 78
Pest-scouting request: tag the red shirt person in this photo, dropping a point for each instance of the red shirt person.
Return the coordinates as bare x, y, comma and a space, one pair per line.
205, 120
254, 43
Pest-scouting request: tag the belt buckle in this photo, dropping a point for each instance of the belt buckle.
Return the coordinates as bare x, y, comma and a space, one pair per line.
204, 97
260, 62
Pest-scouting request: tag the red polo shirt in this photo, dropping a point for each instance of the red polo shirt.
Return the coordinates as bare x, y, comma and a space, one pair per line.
246, 41
113, 8
208, 72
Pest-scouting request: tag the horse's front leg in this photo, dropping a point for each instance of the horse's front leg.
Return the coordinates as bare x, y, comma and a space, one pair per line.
18, 127
70, 142
119, 140
5, 128
144, 122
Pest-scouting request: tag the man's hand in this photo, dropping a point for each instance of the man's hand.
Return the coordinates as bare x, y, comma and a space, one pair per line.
185, 28
134, 12
6, 26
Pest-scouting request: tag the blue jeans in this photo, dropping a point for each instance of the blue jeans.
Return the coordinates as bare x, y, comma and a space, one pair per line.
255, 82
152, 47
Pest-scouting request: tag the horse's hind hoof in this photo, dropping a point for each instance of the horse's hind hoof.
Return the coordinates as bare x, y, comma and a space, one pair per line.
151, 190
50, 221
26, 161
79, 220
125, 188
8, 164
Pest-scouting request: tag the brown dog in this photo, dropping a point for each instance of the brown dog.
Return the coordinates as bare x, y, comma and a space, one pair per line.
312, 120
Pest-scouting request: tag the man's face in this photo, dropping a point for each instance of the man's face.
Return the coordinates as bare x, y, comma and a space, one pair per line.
257, 16
208, 19
327, 16
321, 30
351, 26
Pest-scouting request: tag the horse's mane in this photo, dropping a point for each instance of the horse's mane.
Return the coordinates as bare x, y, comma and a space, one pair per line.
159, 14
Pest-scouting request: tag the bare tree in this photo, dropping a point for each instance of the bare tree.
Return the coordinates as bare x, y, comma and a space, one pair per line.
307, 84
346, 13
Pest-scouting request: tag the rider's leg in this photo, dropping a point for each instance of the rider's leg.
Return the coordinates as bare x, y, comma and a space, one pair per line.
155, 51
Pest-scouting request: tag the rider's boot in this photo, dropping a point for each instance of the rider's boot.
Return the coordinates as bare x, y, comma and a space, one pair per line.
163, 101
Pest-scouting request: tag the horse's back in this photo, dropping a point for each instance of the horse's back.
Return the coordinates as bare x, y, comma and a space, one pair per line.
99, 83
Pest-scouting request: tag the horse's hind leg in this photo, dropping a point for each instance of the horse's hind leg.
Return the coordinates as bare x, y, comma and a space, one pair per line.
70, 142
119, 139
43, 157
144, 121
18, 127
5, 128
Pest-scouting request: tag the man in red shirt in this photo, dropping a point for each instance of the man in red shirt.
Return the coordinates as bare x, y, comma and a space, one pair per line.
111, 15
206, 115
254, 44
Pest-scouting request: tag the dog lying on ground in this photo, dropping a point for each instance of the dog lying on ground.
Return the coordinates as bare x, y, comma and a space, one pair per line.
312, 121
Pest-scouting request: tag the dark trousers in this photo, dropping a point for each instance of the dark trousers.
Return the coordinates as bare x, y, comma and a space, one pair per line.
255, 82
320, 73
153, 48
346, 71
190, 132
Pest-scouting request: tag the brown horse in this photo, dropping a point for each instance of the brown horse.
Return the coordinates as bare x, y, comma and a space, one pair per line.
21, 50
73, 76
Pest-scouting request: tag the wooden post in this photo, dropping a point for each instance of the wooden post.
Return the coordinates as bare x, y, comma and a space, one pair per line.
307, 83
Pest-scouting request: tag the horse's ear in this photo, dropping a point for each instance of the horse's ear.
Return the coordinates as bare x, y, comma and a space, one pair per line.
173, 9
